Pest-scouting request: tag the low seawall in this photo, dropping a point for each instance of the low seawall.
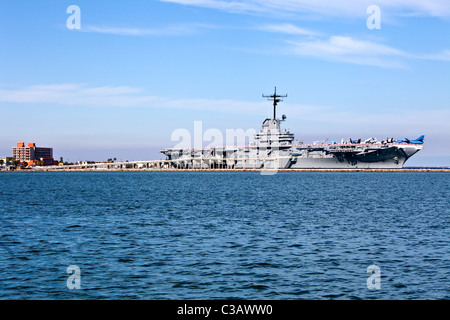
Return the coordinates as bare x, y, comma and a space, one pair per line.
225, 170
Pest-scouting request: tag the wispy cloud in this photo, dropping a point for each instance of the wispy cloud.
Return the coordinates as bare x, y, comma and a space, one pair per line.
342, 8
172, 30
441, 56
344, 48
76, 94
231, 6
129, 97
314, 118
356, 51
347, 49
287, 28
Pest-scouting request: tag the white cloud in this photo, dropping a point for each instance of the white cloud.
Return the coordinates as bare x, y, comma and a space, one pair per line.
347, 49
337, 8
355, 51
287, 28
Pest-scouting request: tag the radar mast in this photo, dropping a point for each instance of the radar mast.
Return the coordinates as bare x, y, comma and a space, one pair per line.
275, 97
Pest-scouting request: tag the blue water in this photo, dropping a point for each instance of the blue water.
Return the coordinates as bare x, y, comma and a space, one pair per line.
221, 235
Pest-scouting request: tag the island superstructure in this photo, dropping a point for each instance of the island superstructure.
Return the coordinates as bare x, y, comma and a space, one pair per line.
274, 148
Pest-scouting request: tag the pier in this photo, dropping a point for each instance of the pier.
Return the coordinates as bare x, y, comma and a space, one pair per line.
164, 165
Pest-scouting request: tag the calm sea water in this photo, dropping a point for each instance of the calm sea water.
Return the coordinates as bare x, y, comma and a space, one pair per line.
220, 235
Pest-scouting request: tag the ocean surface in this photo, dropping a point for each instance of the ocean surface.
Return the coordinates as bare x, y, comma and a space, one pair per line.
224, 235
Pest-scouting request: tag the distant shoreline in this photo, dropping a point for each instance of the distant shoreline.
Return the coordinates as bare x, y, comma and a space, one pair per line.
230, 170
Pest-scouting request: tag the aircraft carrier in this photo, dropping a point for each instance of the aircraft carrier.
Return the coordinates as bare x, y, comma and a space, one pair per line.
274, 148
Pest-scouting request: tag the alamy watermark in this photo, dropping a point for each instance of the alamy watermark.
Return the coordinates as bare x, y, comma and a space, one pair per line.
374, 20
374, 280
212, 137
74, 280
234, 149
74, 20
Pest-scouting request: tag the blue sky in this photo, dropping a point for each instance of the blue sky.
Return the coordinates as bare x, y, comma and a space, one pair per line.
136, 71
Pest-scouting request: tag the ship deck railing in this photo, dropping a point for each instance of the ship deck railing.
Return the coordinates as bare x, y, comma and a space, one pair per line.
348, 145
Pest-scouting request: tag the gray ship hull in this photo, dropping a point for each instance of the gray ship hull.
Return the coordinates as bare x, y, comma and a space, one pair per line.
353, 156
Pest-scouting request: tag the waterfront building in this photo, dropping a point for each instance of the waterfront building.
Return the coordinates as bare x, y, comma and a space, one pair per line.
33, 155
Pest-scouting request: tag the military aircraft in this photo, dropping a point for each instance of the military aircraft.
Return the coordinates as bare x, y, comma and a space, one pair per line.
419, 140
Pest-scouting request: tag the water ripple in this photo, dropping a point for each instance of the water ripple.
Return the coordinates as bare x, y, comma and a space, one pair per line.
186, 235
